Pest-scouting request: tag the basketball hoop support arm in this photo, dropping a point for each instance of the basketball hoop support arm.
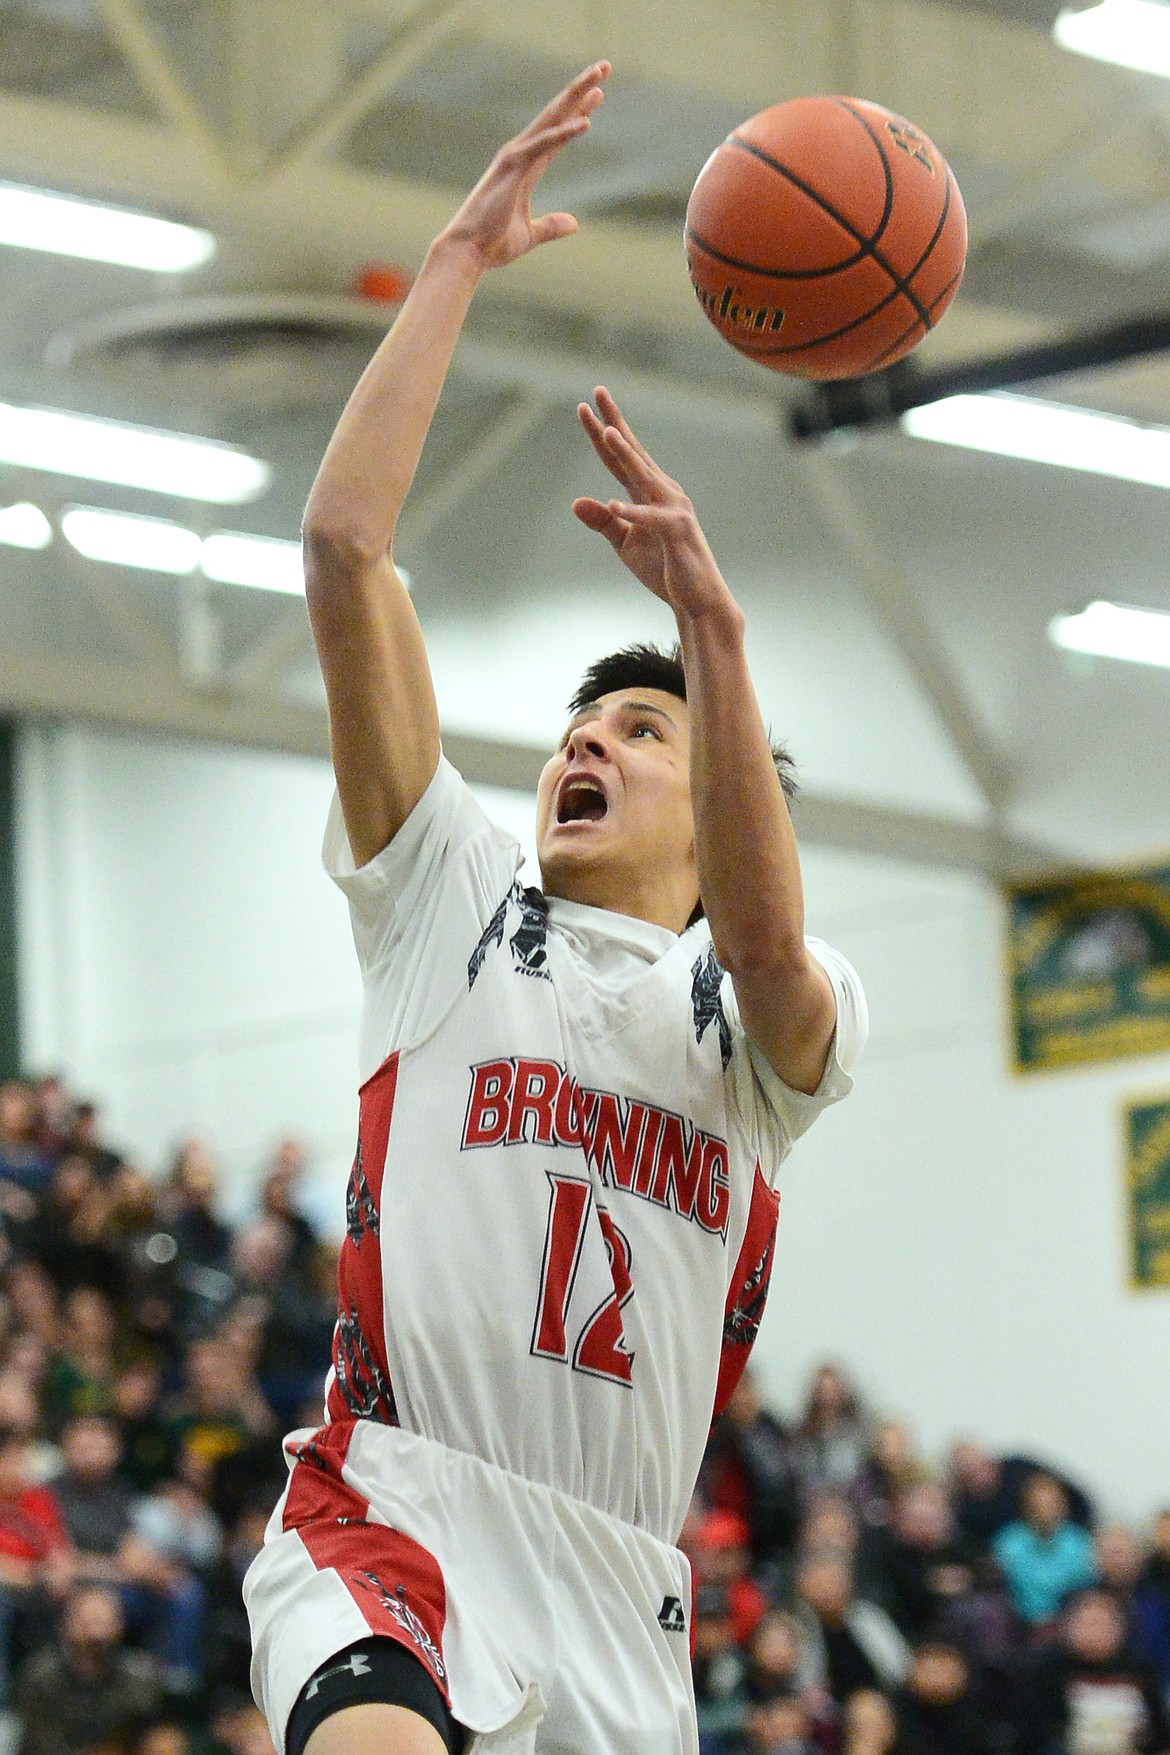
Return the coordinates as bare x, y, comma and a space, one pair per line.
883, 396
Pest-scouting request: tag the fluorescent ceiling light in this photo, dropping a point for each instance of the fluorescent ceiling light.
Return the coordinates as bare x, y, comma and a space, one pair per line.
37, 219
25, 526
1130, 33
129, 541
132, 456
161, 546
229, 557
1114, 630
266, 562
1047, 432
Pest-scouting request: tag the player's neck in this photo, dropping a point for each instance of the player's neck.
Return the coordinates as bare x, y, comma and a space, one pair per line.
650, 897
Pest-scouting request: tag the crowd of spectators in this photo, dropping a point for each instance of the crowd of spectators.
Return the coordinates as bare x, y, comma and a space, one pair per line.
849, 1600
150, 1358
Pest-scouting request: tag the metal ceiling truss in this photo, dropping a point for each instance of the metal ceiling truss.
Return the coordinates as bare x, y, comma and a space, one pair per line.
165, 700
160, 80
898, 608
297, 211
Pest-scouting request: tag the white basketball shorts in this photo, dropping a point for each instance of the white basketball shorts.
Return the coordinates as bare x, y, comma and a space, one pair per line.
550, 1627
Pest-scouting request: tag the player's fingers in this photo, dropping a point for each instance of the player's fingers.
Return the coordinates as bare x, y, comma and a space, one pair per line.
528, 163
661, 518
538, 149
591, 512
625, 444
543, 139
596, 516
583, 91
593, 426
635, 465
596, 431
552, 226
613, 417
586, 88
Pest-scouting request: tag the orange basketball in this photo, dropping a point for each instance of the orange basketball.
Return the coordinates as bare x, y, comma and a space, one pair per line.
825, 237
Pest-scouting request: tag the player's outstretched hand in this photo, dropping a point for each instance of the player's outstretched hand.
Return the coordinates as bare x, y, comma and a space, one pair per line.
654, 530
497, 216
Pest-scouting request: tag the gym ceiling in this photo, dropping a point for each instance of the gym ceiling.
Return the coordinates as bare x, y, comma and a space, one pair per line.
898, 592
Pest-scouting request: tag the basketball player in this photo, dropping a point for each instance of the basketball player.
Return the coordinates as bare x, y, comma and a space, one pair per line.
561, 1215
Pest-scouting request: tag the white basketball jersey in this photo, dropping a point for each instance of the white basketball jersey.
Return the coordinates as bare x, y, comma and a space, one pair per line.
562, 1212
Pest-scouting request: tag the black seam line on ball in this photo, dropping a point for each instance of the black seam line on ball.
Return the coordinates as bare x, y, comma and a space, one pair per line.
894, 347
866, 247
887, 168
906, 284
693, 237
926, 313
866, 244
756, 353
875, 365
801, 346
938, 231
950, 287
906, 281
928, 320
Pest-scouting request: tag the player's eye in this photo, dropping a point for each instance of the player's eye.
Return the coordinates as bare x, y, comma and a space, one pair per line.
646, 727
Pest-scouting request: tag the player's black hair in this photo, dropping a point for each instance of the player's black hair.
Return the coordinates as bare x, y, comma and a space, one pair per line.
640, 666
643, 666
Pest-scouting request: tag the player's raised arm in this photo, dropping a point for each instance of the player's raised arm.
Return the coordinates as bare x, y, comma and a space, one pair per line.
383, 721
748, 867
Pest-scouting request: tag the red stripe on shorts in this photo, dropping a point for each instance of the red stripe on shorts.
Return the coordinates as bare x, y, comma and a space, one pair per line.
395, 1582
361, 1386
749, 1289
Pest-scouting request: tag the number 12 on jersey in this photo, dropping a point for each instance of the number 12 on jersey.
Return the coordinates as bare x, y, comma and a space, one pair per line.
600, 1349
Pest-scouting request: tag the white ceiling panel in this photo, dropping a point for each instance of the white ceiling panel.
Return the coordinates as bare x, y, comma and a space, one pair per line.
897, 592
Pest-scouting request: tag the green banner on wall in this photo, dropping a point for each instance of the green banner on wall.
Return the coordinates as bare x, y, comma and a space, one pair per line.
1090, 967
9, 1006
1147, 1181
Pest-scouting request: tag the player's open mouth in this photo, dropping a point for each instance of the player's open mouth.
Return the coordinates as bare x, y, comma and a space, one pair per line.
581, 801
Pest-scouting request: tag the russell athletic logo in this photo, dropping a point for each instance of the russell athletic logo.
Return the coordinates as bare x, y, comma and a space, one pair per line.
633, 1146
527, 943
670, 1616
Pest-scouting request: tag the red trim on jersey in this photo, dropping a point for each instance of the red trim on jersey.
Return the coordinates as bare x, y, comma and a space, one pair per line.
749, 1289
395, 1582
361, 1384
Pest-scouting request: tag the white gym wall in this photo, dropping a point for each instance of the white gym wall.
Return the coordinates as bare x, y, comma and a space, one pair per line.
954, 1234
185, 960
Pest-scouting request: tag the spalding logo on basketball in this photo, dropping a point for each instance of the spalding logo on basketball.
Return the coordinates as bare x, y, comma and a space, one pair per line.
825, 237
